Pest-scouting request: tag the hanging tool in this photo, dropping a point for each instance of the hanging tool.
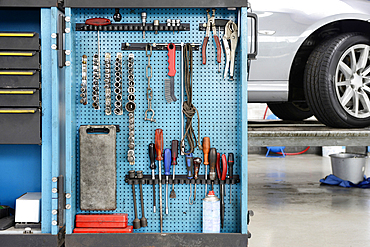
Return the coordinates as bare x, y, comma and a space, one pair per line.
231, 165
167, 171
174, 153
159, 150
136, 222
143, 220
211, 22
117, 16
223, 177
187, 107
153, 167
169, 84
212, 165
197, 161
149, 91
143, 20
182, 144
189, 166
98, 22
219, 37
231, 33
206, 146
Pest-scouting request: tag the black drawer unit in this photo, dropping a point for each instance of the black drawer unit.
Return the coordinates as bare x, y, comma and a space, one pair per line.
19, 98
19, 60
19, 41
19, 79
20, 126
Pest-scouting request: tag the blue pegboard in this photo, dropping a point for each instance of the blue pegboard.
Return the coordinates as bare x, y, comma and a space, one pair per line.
218, 102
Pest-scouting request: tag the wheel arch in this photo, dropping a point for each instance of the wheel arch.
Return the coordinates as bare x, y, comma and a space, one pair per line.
317, 35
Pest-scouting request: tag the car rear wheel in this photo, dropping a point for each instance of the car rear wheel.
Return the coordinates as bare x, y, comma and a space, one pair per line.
290, 111
337, 81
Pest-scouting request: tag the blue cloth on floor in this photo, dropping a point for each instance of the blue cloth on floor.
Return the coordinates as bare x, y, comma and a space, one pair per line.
333, 180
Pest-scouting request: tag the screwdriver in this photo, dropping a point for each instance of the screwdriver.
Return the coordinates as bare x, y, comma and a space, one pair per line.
159, 149
189, 167
174, 153
223, 177
231, 164
167, 171
153, 167
206, 145
212, 165
197, 161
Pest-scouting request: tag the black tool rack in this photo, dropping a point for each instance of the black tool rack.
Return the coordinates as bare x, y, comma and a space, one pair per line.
181, 179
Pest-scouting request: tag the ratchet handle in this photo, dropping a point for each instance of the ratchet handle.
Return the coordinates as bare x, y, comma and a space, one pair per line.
152, 156
159, 143
218, 45
189, 166
97, 21
204, 50
174, 151
167, 162
171, 59
224, 167
218, 166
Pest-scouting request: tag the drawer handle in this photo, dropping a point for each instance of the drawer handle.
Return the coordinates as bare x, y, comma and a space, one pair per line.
17, 111
18, 92
17, 73
17, 34
24, 54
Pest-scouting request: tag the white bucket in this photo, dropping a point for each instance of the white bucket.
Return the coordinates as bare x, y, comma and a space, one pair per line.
347, 166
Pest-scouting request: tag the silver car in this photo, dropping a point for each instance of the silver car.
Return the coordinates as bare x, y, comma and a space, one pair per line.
313, 59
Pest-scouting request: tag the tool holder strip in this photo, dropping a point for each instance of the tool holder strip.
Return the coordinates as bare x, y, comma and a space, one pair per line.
181, 179
133, 27
155, 47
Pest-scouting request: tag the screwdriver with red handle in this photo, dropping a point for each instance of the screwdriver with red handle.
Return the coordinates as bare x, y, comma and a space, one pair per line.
159, 150
223, 177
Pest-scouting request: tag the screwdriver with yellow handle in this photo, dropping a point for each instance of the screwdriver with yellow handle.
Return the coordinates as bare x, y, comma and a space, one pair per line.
206, 147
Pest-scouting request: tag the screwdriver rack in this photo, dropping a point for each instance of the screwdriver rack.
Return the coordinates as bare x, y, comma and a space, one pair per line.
181, 179
221, 104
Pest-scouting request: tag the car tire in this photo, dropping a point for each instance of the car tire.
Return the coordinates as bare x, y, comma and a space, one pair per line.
336, 79
290, 111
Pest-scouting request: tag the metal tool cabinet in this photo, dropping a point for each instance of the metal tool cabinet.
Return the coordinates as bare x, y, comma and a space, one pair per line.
222, 105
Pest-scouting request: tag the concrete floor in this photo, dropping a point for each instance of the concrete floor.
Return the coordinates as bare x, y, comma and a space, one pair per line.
292, 209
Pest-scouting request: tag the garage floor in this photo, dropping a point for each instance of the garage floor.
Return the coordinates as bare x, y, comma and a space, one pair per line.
292, 209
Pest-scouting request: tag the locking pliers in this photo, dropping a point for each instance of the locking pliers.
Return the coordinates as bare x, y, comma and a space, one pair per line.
231, 33
211, 22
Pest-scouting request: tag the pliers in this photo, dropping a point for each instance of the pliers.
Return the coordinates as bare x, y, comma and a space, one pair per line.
211, 22
231, 33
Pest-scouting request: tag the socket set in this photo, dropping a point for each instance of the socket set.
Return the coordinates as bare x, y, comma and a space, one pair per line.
96, 79
107, 86
118, 85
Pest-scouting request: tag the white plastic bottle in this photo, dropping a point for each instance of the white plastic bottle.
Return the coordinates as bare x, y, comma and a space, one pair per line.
211, 213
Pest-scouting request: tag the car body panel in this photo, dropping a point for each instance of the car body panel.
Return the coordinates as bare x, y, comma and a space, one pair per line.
283, 26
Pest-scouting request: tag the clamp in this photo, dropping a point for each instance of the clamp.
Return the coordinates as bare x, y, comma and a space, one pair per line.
211, 22
231, 33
